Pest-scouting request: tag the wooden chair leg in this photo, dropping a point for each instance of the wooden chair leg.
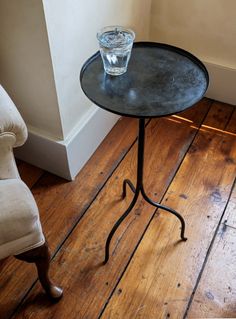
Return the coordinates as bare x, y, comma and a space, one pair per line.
41, 257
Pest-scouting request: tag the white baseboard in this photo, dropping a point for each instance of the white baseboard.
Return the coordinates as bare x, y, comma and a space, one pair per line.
222, 83
66, 158
88, 137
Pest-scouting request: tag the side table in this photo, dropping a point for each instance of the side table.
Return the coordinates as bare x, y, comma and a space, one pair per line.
161, 80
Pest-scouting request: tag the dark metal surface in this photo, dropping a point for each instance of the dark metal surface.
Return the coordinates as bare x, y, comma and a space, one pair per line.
161, 80
137, 190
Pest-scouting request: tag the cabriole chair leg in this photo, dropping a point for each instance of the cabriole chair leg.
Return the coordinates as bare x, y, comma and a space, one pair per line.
41, 257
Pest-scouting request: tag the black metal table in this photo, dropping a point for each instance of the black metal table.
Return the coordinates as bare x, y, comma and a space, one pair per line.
161, 80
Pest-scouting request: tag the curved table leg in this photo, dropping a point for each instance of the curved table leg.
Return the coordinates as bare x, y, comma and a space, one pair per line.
168, 209
125, 182
117, 224
139, 188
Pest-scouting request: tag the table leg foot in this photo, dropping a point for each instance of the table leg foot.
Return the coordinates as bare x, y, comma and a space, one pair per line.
127, 182
170, 210
116, 225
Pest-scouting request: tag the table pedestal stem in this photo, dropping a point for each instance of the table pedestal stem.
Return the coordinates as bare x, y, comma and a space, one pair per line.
140, 189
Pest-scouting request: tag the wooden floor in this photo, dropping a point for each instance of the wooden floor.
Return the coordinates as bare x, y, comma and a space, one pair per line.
190, 165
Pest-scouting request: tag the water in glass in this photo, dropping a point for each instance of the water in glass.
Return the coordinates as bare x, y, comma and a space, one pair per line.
115, 47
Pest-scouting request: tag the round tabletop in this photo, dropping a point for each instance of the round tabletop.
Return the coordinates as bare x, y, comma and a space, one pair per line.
160, 80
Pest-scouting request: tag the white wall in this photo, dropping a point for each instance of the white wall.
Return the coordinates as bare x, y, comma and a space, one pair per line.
205, 27
72, 26
43, 45
25, 65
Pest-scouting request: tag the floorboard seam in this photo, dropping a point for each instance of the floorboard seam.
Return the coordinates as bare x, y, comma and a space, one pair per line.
35, 183
95, 196
86, 208
208, 253
77, 221
155, 211
229, 119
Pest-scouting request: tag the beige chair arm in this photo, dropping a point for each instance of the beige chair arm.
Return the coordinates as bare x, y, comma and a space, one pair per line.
11, 120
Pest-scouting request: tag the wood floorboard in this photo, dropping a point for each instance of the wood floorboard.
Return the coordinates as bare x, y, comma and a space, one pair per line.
230, 214
162, 274
29, 173
87, 283
53, 194
215, 295
150, 274
231, 127
219, 115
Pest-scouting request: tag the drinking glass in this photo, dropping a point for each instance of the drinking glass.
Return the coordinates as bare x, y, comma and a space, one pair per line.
115, 47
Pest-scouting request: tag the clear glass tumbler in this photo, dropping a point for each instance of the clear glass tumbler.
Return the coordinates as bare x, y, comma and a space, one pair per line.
115, 46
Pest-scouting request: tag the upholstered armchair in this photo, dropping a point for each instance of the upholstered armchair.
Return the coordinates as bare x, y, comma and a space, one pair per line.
20, 229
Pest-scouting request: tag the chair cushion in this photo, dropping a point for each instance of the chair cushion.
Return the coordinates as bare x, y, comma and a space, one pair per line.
20, 228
